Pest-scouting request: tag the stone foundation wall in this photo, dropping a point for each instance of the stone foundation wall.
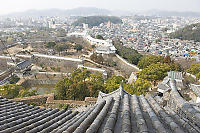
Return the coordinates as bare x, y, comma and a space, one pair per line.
38, 100
49, 101
123, 65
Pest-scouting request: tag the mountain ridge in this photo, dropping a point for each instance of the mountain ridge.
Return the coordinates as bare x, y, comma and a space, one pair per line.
189, 32
93, 11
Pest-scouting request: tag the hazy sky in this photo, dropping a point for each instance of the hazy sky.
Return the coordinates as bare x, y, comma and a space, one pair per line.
8, 6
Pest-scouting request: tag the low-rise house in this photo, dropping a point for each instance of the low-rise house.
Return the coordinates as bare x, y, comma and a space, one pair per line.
106, 50
22, 67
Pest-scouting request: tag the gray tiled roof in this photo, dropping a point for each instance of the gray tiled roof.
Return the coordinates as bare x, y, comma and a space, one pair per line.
196, 89
163, 87
115, 112
22, 65
175, 75
165, 84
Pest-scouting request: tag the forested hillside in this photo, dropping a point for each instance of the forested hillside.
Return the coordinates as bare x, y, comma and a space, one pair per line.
190, 32
97, 20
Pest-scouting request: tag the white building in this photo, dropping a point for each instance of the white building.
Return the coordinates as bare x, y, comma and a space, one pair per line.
103, 46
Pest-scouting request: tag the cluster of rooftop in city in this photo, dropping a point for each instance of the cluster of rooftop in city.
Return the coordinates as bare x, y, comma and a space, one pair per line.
150, 35
146, 34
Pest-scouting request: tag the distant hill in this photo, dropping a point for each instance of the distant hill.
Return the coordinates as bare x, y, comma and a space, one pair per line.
92, 11
97, 20
81, 11
190, 32
170, 13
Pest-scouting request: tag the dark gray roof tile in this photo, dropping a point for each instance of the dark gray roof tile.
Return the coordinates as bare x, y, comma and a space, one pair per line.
115, 112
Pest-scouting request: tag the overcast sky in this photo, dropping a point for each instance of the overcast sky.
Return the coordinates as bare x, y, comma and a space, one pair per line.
8, 6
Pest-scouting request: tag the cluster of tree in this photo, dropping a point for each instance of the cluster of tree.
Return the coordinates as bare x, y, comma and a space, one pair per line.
158, 71
155, 72
148, 60
59, 47
99, 37
195, 70
98, 58
138, 87
79, 85
97, 20
131, 55
50, 45
15, 91
190, 32
78, 47
113, 83
83, 83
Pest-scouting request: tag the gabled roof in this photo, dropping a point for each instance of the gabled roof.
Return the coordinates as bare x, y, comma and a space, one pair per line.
115, 112
175, 75
22, 65
172, 75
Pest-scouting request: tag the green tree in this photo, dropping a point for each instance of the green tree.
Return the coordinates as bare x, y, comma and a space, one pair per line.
79, 85
61, 47
139, 87
27, 93
155, 72
113, 83
131, 55
145, 61
10, 91
176, 67
95, 84
99, 37
96, 20
50, 44
60, 92
13, 91
78, 47
198, 75
194, 69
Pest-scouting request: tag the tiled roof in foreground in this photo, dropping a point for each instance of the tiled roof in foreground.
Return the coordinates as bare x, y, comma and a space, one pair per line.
117, 112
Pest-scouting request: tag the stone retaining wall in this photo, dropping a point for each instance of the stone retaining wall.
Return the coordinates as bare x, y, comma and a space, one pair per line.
38, 100
127, 63
48, 100
124, 66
